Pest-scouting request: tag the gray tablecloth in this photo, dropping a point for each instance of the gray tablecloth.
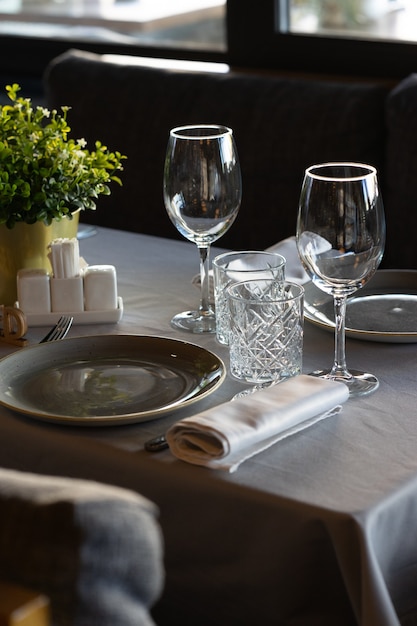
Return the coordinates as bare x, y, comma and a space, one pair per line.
319, 529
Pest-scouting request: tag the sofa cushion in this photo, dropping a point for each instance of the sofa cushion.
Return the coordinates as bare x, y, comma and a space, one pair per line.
94, 550
281, 126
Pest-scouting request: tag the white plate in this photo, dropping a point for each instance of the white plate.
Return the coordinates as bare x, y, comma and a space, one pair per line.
384, 310
107, 379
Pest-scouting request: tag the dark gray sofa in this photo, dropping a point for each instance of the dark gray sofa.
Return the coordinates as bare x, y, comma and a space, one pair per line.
281, 125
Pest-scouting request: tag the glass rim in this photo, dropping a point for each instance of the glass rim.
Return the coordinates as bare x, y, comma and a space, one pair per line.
202, 131
266, 253
369, 170
285, 298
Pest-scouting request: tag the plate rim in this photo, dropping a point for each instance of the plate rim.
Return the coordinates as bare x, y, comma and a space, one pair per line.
368, 335
125, 418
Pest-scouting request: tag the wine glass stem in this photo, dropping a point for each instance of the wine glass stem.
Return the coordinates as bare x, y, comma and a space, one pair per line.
205, 308
339, 367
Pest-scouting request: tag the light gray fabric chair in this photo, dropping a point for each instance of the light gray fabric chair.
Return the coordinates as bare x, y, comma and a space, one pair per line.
96, 551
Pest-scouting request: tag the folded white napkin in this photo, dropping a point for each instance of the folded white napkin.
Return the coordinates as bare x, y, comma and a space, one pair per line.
294, 270
227, 435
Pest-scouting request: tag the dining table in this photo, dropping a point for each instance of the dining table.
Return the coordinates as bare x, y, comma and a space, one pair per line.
319, 529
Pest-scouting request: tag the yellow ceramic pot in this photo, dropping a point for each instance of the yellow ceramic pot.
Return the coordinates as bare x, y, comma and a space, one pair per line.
26, 246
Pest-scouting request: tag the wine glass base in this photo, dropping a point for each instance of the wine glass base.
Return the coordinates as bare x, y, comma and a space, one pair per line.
358, 383
195, 322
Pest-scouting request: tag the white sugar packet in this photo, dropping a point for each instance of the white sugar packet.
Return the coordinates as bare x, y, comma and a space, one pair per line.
227, 435
55, 256
70, 258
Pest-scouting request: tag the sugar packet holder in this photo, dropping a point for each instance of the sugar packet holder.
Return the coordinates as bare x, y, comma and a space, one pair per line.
90, 298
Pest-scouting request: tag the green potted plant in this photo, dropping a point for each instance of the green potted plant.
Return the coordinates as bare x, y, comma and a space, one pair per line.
46, 178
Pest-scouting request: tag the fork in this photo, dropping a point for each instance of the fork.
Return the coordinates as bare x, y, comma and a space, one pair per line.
60, 330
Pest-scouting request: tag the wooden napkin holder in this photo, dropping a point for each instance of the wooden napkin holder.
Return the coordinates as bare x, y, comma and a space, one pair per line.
13, 325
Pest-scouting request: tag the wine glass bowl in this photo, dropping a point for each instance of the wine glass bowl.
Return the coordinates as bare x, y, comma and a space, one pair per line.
340, 241
202, 195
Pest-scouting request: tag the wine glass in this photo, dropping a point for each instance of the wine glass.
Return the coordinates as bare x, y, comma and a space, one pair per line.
202, 195
340, 240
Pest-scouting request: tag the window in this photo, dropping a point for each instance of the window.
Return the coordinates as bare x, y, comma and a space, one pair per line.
197, 24
33, 32
375, 38
390, 20
298, 35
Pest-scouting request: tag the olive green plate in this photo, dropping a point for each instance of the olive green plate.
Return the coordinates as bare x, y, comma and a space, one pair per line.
107, 379
384, 310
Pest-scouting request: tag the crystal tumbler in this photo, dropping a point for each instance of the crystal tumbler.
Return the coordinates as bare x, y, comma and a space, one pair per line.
266, 330
234, 267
